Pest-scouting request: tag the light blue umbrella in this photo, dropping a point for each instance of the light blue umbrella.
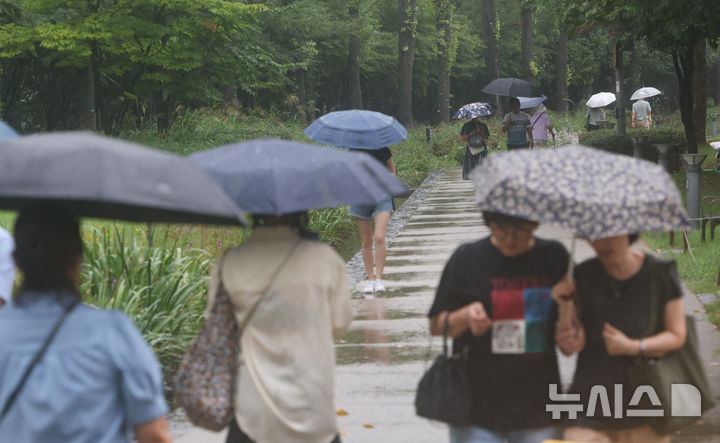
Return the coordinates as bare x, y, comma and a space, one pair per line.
531, 102
275, 177
6, 131
592, 192
474, 110
357, 129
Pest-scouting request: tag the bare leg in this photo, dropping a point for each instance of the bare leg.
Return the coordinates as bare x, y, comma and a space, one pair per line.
366, 239
381, 222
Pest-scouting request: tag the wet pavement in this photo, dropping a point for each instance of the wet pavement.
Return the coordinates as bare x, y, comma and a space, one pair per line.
381, 359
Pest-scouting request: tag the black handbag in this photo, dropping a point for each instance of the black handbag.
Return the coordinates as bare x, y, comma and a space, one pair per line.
445, 392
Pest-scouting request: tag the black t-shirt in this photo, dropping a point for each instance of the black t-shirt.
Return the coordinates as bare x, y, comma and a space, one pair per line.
513, 363
626, 306
382, 155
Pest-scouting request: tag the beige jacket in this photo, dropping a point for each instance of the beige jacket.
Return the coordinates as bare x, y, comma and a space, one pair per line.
287, 371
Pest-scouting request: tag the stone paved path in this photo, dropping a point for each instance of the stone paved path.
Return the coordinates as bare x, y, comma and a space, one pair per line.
382, 357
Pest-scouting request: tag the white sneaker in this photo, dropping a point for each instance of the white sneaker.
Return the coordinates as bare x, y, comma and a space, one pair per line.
369, 287
379, 286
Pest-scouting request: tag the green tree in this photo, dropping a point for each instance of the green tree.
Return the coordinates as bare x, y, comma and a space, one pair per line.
679, 28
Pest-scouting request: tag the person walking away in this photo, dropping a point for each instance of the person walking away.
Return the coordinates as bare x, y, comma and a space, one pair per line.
641, 116
474, 129
290, 297
7, 267
380, 214
97, 381
496, 296
614, 291
594, 118
541, 126
518, 127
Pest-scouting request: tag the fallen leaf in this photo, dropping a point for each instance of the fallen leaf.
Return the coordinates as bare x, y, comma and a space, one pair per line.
368, 425
342, 412
342, 431
697, 312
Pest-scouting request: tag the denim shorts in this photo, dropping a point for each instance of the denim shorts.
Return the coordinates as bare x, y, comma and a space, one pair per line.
367, 212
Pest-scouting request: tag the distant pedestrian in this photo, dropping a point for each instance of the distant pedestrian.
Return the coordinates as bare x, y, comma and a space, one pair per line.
7, 267
641, 116
541, 126
518, 127
97, 381
379, 215
476, 134
615, 291
595, 118
495, 295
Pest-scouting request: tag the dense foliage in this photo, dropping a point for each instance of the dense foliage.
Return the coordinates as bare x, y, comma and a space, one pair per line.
114, 65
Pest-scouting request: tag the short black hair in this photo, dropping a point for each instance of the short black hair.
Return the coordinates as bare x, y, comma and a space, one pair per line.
633, 237
504, 219
47, 245
514, 100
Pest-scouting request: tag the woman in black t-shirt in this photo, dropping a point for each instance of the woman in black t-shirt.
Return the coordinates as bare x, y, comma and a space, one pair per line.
608, 327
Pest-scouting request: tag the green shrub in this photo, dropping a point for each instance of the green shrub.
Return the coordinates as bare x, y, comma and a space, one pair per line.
609, 140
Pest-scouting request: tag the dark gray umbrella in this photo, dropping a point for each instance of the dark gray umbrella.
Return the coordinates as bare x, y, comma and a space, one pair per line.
96, 176
512, 87
275, 177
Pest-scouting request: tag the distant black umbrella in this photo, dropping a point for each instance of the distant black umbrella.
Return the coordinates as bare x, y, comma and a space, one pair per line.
275, 177
96, 176
512, 87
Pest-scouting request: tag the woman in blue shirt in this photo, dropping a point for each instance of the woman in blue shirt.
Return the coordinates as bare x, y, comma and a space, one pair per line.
97, 382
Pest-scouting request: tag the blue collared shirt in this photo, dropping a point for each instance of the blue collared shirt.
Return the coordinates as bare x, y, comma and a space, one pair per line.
97, 380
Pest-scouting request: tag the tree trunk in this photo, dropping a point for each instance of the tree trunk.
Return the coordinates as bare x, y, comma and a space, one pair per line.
527, 44
229, 93
715, 82
619, 96
355, 101
407, 10
699, 90
683, 62
634, 69
442, 102
86, 99
488, 22
561, 87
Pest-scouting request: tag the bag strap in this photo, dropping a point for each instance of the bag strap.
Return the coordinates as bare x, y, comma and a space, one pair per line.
536, 120
266, 289
13, 396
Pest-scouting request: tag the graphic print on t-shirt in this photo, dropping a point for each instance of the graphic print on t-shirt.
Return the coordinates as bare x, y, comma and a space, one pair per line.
520, 309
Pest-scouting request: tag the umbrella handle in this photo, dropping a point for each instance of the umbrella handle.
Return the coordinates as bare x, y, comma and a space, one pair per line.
571, 262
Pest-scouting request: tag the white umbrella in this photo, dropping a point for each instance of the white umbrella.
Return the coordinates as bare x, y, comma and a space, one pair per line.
600, 99
645, 92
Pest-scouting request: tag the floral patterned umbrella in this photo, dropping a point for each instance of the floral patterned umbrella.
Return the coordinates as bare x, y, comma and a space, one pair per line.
473, 110
595, 193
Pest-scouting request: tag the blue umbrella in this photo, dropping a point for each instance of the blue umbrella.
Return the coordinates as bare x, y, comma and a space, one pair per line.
275, 177
356, 129
592, 192
531, 102
6, 131
474, 110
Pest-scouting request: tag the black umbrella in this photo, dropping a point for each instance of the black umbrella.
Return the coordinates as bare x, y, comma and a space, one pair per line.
512, 87
96, 176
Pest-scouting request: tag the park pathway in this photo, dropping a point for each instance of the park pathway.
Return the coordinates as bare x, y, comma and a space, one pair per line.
382, 357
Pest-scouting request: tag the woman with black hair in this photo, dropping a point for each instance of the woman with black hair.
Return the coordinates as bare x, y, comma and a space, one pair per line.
291, 299
69, 372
